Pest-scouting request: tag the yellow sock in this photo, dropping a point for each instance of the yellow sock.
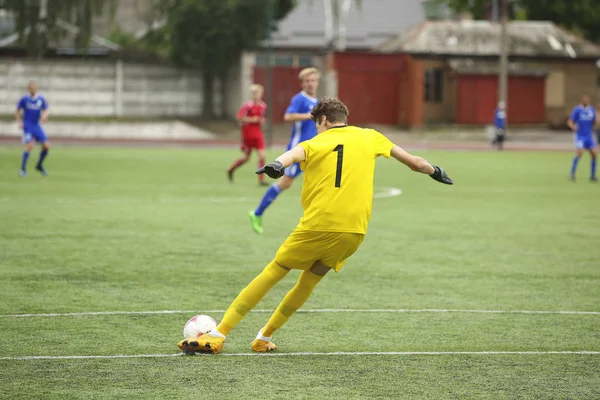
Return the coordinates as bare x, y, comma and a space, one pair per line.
292, 302
251, 295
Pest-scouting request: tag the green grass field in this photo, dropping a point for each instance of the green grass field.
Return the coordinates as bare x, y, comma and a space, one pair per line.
145, 229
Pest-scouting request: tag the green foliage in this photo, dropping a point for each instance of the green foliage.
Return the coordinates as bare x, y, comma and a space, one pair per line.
153, 42
476, 7
212, 34
579, 15
37, 33
122, 38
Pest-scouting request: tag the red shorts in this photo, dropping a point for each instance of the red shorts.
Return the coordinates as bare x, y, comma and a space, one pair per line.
253, 142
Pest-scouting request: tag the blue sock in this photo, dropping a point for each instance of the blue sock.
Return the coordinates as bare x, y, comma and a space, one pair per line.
43, 155
270, 195
24, 161
593, 167
574, 166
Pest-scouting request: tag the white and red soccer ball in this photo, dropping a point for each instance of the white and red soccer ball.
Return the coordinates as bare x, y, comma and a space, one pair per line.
198, 326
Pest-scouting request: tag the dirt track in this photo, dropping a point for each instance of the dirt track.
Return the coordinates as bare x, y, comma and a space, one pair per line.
228, 143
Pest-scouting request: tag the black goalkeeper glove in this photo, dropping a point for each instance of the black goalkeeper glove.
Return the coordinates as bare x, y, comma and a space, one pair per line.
274, 170
441, 176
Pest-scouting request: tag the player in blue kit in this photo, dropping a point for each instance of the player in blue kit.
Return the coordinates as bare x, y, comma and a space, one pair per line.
35, 110
303, 129
582, 121
597, 123
500, 125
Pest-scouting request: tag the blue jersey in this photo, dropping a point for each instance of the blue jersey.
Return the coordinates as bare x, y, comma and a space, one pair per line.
500, 119
585, 118
32, 109
302, 130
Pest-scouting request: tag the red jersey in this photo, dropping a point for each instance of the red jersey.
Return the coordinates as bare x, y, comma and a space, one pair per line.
252, 109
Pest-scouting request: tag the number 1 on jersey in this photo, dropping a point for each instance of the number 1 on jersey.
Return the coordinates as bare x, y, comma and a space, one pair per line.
340, 161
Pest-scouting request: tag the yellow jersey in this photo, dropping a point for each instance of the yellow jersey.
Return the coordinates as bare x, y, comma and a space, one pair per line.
337, 194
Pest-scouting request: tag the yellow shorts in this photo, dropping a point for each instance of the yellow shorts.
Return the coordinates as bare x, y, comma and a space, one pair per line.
303, 248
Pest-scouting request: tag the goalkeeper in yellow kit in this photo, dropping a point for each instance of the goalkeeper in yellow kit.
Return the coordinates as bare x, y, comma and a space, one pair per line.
337, 196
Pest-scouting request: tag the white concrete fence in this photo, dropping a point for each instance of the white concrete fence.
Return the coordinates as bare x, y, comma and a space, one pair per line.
104, 88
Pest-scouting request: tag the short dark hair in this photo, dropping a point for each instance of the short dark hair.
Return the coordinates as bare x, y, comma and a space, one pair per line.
332, 108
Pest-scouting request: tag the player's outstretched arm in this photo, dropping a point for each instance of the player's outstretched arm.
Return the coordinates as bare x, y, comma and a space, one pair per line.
277, 168
294, 117
421, 165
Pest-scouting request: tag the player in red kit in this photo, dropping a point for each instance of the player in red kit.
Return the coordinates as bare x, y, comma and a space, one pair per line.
252, 115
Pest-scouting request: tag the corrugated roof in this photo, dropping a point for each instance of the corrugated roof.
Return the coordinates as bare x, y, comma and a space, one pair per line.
482, 38
479, 67
367, 27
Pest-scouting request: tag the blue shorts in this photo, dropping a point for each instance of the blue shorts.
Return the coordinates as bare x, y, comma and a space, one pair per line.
585, 142
293, 170
34, 132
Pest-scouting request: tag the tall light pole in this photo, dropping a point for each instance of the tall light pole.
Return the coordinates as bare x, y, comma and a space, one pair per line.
342, 35
41, 28
495, 11
270, 62
503, 73
328, 14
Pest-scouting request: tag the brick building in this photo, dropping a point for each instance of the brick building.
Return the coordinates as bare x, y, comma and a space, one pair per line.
301, 41
549, 70
430, 72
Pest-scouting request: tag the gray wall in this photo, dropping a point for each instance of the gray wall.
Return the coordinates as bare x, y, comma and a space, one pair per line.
104, 88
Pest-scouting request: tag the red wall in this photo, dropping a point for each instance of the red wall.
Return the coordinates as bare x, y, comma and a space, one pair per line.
411, 110
285, 86
526, 98
477, 98
369, 84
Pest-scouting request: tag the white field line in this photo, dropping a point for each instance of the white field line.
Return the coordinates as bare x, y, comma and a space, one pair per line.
307, 311
311, 354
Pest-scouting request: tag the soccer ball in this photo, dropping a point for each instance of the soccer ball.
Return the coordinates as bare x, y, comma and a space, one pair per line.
198, 326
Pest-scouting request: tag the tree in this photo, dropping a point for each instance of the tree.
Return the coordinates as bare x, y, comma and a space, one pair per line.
40, 22
482, 9
212, 34
477, 8
582, 16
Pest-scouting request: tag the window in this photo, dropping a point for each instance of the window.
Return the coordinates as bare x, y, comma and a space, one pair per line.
262, 60
284, 61
434, 85
438, 85
305, 61
427, 90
